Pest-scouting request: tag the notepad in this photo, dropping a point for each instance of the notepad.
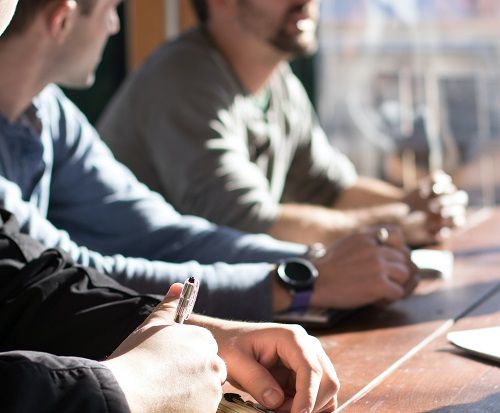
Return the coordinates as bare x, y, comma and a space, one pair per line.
433, 263
233, 403
482, 342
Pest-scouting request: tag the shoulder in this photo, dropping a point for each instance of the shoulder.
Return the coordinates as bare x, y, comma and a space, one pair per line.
291, 84
61, 118
52, 101
188, 51
293, 99
191, 62
51, 96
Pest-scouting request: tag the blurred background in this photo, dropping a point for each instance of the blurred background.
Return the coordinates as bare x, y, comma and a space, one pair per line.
409, 86
403, 87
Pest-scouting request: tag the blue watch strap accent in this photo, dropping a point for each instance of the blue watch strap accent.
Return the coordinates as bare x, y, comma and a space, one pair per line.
301, 300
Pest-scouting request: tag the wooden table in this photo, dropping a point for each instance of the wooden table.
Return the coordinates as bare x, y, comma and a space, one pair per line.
397, 359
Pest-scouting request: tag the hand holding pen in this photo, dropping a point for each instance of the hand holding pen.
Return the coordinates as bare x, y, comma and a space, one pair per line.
161, 351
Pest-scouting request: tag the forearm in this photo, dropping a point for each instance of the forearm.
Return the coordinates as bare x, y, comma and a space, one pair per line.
273, 298
368, 192
238, 291
369, 202
311, 223
208, 243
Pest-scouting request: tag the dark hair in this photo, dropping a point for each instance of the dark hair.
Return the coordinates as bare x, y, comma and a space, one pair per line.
27, 10
201, 9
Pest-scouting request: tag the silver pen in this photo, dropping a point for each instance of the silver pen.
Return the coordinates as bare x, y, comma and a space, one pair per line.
187, 300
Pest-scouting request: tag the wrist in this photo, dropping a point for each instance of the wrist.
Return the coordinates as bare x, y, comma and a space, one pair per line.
282, 297
297, 276
122, 374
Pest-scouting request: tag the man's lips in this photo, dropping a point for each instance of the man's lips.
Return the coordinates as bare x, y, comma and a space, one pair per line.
301, 19
306, 25
301, 24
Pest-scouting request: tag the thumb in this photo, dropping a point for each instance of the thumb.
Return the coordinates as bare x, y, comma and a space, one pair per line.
162, 315
165, 311
174, 291
171, 298
256, 380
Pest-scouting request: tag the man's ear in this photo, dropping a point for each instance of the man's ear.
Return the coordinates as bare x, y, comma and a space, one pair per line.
60, 17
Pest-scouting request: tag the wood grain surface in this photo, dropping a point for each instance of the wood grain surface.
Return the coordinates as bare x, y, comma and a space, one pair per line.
397, 359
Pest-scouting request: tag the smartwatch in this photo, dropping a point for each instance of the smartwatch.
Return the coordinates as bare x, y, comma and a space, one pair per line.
298, 276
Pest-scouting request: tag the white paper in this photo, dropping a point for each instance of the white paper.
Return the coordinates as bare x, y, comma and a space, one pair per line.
483, 342
437, 261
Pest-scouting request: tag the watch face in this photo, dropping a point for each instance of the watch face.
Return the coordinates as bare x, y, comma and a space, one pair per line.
297, 274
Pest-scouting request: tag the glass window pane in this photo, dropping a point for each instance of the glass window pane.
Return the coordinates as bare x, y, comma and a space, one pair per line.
408, 86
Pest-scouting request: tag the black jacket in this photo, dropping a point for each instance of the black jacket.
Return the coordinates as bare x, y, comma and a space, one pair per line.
51, 308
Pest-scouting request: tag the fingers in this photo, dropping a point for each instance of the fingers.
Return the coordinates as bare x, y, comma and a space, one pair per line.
400, 281
403, 288
392, 291
393, 273
458, 198
438, 183
412, 283
446, 203
396, 238
364, 271
387, 235
390, 254
441, 183
258, 382
395, 263
451, 209
286, 355
309, 371
327, 396
420, 229
282, 367
440, 197
447, 211
308, 380
435, 224
317, 383
398, 272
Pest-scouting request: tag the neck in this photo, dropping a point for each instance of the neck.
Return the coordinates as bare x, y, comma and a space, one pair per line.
252, 61
21, 76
